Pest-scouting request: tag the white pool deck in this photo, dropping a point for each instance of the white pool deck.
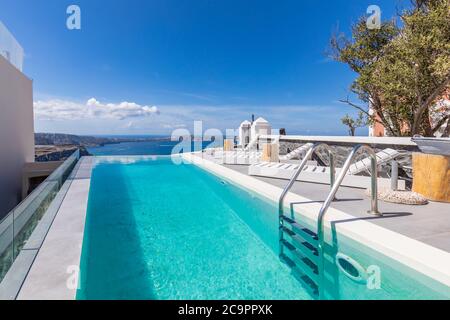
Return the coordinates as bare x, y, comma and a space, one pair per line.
54, 273
416, 236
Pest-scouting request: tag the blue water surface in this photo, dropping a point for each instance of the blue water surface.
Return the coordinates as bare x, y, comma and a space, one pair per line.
157, 147
159, 231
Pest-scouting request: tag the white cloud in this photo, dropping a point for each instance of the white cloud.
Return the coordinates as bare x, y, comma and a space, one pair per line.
174, 126
95, 117
56, 109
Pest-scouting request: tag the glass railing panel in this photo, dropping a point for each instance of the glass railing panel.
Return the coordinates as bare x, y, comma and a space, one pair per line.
17, 227
10, 49
6, 244
28, 215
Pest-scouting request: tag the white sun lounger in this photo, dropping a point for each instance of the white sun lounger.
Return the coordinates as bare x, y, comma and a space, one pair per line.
385, 156
252, 145
241, 157
297, 152
322, 174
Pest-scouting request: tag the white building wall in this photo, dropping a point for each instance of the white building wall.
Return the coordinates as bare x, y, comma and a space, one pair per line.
16, 132
260, 127
244, 134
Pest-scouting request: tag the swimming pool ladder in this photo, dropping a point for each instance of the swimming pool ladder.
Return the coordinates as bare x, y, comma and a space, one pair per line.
291, 183
307, 247
304, 242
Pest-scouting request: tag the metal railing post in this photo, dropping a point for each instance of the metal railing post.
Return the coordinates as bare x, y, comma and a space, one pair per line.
331, 196
394, 175
332, 169
294, 179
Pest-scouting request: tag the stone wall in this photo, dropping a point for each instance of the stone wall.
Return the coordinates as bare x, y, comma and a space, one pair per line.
341, 152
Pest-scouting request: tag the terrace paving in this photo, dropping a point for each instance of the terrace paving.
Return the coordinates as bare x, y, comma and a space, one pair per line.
56, 266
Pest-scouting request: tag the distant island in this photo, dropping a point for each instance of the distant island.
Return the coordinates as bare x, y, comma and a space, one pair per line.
59, 146
60, 139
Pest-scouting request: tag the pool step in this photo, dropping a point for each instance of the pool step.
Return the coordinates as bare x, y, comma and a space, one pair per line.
303, 232
301, 253
308, 267
309, 284
307, 249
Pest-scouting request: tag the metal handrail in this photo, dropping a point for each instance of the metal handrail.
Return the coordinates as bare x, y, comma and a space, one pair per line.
334, 190
294, 179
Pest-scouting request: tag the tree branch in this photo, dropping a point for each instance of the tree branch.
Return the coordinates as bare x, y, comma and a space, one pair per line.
432, 98
440, 124
446, 133
376, 104
347, 101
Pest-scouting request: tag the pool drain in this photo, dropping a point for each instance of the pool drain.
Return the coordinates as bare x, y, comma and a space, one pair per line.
351, 268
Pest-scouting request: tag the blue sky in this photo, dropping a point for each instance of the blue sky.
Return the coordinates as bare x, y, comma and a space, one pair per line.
213, 60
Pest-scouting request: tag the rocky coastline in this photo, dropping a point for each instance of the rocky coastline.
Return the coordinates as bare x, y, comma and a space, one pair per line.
59, 139
57, 153
58, 147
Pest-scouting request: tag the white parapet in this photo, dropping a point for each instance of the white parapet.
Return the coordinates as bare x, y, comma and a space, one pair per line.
392, 141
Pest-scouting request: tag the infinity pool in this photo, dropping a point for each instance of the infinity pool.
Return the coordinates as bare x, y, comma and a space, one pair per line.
156, 230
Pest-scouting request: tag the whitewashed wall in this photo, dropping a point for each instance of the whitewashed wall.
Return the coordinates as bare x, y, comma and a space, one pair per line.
16, 132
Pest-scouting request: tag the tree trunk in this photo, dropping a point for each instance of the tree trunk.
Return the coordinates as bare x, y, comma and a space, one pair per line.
446, 133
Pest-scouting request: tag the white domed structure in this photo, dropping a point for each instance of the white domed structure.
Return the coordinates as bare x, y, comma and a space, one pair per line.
261, 127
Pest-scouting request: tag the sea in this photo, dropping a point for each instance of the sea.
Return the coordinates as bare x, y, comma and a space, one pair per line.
156, 147
163, 146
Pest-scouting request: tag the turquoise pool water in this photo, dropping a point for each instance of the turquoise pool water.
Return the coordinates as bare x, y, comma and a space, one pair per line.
159, 231
156, 230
